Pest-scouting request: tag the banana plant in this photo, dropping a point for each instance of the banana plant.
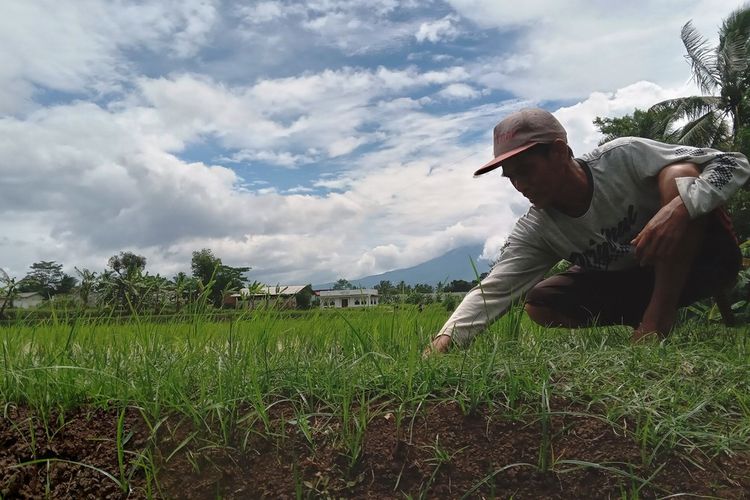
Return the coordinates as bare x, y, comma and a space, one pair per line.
8, 292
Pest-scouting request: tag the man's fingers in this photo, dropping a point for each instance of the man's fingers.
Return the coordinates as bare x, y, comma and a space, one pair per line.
660, 238
641, 247
438, 345
650, 250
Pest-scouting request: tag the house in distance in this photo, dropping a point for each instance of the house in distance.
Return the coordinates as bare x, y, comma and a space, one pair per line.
27, 300
363, 297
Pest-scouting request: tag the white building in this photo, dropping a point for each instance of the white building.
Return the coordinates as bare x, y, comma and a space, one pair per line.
27, 300
363, 297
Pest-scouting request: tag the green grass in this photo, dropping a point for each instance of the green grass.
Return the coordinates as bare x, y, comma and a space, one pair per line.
689, 392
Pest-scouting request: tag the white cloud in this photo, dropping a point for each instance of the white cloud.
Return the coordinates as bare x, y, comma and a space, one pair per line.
76, 47
300, 190
601, 46
282, 120
578, 118
446, 75
435, 31
459, 91
278, 158
192, 30
262, 12
344, 146
352, 27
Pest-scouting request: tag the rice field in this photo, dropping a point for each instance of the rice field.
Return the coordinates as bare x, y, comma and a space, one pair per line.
343, 404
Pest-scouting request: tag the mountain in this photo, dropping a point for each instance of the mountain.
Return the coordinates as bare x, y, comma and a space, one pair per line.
454, 265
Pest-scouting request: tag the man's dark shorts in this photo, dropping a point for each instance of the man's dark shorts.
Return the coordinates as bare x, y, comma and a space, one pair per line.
621, 297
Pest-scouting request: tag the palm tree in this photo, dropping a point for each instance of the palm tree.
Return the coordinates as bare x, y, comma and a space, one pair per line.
722, 73
88, 282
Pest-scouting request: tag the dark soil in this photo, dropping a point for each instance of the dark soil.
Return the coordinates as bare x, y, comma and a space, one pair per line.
437, 453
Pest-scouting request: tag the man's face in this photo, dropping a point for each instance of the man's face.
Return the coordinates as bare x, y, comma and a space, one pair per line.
534, 175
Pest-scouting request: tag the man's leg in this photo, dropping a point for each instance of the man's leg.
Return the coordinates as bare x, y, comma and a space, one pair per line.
578, 299
546, 316
671, 274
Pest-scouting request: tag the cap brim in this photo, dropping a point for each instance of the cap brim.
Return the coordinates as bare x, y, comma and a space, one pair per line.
496, 162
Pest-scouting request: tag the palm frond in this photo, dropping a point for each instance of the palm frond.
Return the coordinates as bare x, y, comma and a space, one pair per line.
701, 57
735, 24
685, 108
705, 131
658, 125
732, 57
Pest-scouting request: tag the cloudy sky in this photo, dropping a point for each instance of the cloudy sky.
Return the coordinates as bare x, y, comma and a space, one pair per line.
309, 140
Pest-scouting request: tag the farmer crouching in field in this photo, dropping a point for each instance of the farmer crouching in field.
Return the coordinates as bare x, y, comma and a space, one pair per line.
640, 221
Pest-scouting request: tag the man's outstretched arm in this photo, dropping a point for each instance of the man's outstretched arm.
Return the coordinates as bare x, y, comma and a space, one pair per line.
519, 268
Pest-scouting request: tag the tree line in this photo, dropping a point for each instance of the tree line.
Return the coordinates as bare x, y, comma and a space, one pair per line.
385, 288
125, 285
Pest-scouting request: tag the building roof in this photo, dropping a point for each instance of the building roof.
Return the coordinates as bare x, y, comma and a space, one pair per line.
273, 291
347, 293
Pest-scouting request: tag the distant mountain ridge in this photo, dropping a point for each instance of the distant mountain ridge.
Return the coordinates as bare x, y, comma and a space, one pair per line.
453, 265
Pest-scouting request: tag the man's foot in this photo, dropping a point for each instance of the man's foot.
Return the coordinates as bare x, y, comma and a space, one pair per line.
648, 331
641, 336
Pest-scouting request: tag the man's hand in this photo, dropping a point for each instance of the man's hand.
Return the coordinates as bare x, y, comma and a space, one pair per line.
660, 238
439, 345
